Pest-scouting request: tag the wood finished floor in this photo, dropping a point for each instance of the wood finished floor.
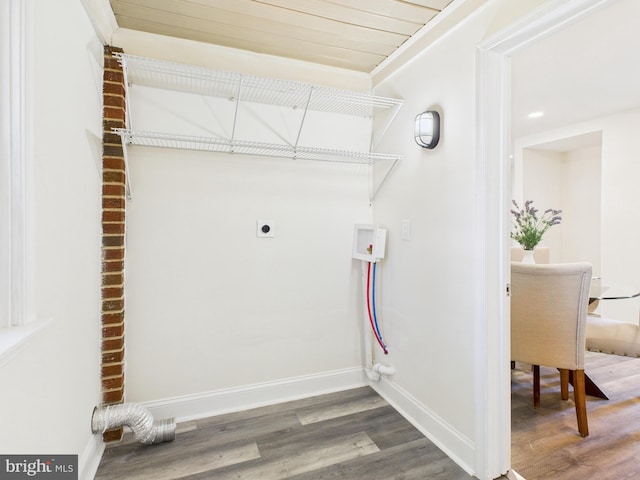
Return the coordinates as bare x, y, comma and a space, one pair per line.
356, 435
545, 443
353, 434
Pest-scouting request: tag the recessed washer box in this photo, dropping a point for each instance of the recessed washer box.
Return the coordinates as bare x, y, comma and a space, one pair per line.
369, 242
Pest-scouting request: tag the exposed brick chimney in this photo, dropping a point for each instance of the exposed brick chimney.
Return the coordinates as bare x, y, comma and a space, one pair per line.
113, 231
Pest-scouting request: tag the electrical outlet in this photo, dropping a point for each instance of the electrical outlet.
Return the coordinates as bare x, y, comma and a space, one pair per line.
265, 229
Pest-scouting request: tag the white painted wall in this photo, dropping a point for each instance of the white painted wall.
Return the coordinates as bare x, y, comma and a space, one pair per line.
50, 386
544, 174
581, 206
568, 181
432, 294
211, 307
240, 314
620, 205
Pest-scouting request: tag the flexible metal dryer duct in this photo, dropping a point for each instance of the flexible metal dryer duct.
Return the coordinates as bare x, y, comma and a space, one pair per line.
137, 418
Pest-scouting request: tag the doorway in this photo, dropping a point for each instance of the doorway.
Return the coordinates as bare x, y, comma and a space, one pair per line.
495, 152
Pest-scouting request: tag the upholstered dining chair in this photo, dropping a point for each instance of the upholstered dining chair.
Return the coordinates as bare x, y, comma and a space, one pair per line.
548, 324
607, 335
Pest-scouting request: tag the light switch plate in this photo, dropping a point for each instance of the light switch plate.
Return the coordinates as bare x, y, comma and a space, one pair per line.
405, 233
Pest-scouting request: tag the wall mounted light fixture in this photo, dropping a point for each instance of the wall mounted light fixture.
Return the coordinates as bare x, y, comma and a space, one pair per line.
427, 129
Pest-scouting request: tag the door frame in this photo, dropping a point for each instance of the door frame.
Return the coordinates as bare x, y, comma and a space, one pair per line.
493, 156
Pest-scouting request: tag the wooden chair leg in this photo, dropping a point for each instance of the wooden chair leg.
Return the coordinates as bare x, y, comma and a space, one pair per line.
564, 383
536, 385
581, 402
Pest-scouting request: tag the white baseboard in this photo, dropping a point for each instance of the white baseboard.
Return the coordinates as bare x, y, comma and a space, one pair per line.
454, 444
191, 407
89, 461
513, 475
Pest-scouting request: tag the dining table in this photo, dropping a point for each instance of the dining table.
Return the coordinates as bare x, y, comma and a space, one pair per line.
610, 291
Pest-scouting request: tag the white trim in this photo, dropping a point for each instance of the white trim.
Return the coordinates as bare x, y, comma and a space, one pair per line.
492, 385
89, 461
102, 18
494, 194
453, 443
446, 22
17, 261
217, 402
5, 158
15, 339
552, 16
513, 475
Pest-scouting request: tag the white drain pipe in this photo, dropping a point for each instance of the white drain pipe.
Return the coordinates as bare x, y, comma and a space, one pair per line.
378, 370
374, 371
136, 417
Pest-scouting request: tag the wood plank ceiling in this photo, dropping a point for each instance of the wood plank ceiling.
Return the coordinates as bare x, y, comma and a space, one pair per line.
352, 34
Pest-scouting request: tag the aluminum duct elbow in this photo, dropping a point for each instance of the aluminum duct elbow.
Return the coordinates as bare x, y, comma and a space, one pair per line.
137, 418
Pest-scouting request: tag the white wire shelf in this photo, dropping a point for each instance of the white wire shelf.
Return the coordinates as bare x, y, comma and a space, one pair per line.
211, 144
241, 88
217, 83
